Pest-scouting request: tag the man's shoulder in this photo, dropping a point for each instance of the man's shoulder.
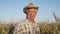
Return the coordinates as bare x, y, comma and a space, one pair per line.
21, 22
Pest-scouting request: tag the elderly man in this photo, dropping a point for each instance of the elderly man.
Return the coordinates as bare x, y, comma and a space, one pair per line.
28, 25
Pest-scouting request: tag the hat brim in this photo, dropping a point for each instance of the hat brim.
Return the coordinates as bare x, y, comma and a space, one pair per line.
31, 8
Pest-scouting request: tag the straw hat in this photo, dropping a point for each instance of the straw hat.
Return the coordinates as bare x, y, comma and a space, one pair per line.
29, 6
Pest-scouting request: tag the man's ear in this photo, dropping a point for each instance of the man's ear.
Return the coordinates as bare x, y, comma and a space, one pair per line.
27, 11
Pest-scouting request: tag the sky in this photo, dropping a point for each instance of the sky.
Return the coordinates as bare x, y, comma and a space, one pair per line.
12, 10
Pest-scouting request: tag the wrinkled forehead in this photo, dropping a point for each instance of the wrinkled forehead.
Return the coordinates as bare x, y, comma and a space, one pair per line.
31, 9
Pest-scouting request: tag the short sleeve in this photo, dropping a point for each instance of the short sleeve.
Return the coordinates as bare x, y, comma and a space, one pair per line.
37, 29
18, 29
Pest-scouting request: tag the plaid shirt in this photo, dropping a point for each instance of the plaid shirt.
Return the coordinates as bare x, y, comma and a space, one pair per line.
26, 27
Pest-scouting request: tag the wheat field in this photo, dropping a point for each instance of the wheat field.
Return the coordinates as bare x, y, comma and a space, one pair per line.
45, 28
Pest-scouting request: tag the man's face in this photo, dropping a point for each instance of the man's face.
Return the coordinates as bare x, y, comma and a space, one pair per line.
31, 13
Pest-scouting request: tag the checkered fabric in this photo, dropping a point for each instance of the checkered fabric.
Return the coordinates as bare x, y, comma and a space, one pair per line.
26, 27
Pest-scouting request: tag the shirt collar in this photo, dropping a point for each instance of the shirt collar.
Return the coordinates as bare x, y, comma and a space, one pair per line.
30, 21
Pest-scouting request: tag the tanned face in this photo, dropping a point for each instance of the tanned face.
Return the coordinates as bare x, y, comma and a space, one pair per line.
31, 13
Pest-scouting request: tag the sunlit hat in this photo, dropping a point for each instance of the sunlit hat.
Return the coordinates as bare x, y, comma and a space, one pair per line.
29, 6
